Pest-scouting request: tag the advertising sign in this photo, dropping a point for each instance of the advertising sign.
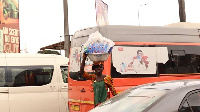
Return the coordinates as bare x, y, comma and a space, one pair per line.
9, 26
138, 60
101, 13
75, 60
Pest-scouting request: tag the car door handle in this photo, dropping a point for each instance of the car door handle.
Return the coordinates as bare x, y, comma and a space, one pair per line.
83, 90
64, 87
91, 90
52, 88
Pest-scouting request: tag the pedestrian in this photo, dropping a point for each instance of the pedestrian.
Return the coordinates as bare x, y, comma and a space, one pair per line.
101, 82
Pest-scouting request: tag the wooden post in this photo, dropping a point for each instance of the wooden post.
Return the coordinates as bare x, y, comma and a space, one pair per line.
182, 14
66, 29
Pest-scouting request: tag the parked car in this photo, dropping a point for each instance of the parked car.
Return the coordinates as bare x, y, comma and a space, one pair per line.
167, 96
33, 83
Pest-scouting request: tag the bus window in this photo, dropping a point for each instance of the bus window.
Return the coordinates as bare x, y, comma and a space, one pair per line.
181, 59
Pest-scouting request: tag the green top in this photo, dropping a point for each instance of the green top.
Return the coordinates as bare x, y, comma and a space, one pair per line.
100, 92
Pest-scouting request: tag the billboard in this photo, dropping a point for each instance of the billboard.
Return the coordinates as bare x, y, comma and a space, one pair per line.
9, 26
101, 13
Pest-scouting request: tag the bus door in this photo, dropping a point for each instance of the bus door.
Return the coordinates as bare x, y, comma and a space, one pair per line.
87, 95
74, 88
81, 95
73, 92
86, 87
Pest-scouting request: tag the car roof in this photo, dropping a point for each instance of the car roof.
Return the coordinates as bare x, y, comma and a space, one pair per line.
171, 85
21, 59
29, 55
176, 91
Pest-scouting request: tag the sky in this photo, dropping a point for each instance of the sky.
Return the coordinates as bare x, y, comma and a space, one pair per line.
42, 21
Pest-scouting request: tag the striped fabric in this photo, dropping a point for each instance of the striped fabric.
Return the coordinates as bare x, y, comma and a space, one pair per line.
108, 82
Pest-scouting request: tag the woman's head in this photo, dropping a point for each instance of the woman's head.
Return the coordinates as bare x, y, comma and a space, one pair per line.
98, 68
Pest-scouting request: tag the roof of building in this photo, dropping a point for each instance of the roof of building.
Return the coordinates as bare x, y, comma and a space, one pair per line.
56, 46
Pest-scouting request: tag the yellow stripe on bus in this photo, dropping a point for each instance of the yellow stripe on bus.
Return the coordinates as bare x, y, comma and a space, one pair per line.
81, 101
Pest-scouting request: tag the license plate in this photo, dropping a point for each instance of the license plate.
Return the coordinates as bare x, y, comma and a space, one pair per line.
75, 107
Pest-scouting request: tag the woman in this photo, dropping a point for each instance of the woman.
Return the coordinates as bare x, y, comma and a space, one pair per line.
101, 82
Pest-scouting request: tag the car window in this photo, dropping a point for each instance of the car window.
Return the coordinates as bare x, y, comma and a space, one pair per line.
185, 107
64, 71
16, 76
192, 103
2, 77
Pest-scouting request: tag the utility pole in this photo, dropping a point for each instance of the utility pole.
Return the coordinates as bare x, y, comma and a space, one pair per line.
66, 29
139, 12
182, 14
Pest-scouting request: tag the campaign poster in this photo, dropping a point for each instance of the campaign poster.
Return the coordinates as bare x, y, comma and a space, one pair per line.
138, 60
76, 59
101, 13
9, 26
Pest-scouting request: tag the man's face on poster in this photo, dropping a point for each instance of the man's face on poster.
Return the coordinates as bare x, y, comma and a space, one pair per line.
139, 54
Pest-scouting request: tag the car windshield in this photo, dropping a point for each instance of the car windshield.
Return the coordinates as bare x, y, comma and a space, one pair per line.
131, 100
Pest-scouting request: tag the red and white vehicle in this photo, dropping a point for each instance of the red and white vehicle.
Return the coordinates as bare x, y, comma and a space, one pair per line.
170, 54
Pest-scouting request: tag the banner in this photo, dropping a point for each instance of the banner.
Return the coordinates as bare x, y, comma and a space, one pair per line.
138, 60
75, 60
101, 13
9, 26
134, 60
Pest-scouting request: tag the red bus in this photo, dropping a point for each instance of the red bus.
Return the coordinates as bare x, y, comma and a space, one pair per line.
168, 54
